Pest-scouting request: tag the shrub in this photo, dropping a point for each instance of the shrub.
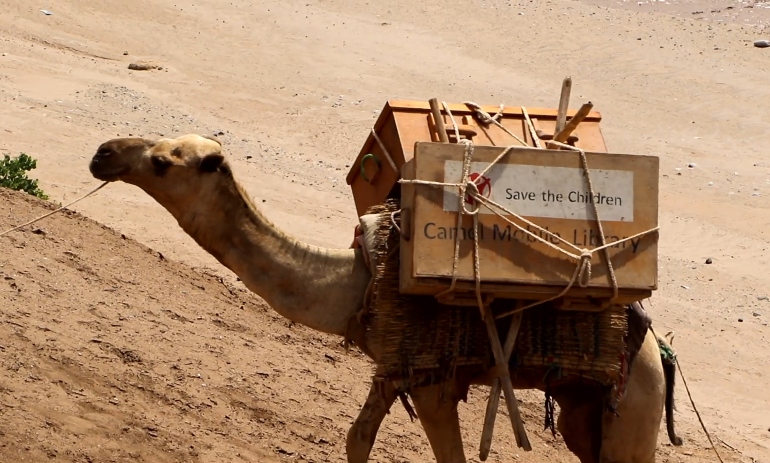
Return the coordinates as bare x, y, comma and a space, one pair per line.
13, 175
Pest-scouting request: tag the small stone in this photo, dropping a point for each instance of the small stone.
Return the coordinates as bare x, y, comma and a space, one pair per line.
740, 320
692, 165
762, 298
144, 66
708, 261
125, 53
762, 43
756, 314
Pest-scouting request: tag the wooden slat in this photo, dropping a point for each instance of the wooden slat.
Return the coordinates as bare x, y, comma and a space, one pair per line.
461, 109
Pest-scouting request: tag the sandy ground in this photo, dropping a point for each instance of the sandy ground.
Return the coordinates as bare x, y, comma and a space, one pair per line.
292, 88
743, 12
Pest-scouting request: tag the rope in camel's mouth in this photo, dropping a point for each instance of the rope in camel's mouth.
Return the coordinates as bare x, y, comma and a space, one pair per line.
56, 210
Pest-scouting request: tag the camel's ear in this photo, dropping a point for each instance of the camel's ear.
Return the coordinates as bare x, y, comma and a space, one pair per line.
212, 138
211, 162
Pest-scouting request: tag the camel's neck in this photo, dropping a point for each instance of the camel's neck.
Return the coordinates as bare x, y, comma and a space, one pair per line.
319, 288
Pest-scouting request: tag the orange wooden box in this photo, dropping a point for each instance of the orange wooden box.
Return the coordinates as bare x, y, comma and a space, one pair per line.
547, 188
403, 122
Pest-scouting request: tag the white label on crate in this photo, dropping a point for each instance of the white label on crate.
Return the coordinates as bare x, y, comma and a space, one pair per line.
551, 192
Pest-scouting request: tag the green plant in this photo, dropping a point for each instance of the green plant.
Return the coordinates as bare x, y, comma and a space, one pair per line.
13, 175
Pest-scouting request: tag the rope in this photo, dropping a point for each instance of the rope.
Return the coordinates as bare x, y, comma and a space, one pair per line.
55, 211
697, 413
385, 152
483, 115
487, 119
582, 273
393, 220
672, 356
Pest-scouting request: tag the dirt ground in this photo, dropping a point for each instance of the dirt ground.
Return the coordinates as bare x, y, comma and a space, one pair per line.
112, 353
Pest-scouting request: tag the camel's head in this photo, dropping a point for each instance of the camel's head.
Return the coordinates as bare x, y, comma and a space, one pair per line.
172, 167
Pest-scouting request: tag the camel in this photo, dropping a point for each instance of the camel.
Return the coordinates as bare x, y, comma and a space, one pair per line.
324, 289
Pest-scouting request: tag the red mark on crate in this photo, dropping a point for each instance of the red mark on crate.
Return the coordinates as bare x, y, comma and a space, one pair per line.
484, 185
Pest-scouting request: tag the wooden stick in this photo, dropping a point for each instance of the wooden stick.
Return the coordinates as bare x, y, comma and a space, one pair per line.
438, 120
531, 127
564, 134
505, 378
494, 393
561, 116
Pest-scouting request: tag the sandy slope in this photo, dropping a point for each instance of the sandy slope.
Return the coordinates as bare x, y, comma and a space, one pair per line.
293, 87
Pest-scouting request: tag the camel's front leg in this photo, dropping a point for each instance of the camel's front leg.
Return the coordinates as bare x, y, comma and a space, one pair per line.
363, 433
439, 418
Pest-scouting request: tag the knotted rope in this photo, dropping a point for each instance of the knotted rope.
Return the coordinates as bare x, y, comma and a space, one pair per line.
487, 119
469, 188
484, 116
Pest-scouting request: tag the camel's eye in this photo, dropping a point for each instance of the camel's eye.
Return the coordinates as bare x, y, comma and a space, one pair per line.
161, 165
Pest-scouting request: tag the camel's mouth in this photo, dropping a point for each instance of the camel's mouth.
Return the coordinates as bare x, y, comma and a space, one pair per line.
106, 173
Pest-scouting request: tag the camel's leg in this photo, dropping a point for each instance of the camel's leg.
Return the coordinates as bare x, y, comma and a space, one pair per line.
632, 436
580, 421
363, 433
439, 418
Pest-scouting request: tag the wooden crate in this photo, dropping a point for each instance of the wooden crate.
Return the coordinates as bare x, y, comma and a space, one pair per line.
402, 123
514, 265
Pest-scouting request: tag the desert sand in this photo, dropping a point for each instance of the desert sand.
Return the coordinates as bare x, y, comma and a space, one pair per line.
111, 352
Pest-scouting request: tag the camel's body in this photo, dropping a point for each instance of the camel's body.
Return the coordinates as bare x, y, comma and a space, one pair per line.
324, 289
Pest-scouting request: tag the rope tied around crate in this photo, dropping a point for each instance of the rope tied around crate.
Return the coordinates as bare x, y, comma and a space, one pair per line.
469, 188
384, 151
487, 119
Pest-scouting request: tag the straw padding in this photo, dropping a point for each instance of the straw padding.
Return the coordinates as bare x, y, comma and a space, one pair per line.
421, 337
